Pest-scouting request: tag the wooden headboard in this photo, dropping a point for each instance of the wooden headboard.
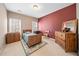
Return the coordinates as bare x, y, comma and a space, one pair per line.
27, 30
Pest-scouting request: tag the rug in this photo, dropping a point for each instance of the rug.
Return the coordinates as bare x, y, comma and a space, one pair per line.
32, 49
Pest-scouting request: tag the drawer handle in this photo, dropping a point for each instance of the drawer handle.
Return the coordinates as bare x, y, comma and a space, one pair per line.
61, 35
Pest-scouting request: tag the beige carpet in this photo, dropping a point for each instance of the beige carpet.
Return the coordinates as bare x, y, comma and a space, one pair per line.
51, 49
13, 49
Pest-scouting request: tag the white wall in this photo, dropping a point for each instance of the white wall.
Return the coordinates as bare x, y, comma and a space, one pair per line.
77, 8
3, 25
26, 21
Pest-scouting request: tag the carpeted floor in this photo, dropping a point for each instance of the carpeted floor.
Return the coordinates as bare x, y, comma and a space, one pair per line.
29, 51
50, 49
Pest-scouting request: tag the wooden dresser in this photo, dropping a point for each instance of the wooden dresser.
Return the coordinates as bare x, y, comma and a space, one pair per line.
12, 37
66, 40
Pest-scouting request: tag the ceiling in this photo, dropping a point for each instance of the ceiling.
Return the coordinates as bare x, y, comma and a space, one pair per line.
43, 8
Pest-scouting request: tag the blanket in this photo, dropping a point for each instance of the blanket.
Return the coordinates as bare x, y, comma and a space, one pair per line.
26, 35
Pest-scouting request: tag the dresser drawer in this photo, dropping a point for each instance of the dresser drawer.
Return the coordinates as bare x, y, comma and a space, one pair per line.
61, 43
61, 35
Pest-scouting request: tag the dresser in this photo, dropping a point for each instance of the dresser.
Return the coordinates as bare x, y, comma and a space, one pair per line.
12, 37
67, 40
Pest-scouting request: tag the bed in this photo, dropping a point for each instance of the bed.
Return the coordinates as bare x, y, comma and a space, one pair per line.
31, 38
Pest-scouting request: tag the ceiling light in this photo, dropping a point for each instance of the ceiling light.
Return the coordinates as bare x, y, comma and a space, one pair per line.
35, 7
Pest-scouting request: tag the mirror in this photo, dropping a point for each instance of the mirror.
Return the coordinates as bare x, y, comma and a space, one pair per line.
72, 24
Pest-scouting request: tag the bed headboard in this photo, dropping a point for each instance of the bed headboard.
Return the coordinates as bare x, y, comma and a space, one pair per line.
27, 30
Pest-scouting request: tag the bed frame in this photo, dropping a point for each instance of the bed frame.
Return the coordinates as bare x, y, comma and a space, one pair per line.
28, 30
34, 39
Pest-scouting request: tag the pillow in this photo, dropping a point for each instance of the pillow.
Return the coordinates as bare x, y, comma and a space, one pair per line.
27, 32
37, 32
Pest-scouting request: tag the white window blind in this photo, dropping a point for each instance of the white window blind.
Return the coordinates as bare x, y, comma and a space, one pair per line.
34, 26
14, 25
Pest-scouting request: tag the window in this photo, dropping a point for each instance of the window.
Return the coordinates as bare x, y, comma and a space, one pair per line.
14, 25
34, 25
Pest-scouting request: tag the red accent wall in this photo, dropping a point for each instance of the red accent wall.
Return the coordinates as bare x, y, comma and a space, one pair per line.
53, 21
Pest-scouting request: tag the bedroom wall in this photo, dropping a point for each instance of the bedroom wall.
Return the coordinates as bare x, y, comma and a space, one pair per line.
77, 11
78, 15
53, 21
26, 21
3, 25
